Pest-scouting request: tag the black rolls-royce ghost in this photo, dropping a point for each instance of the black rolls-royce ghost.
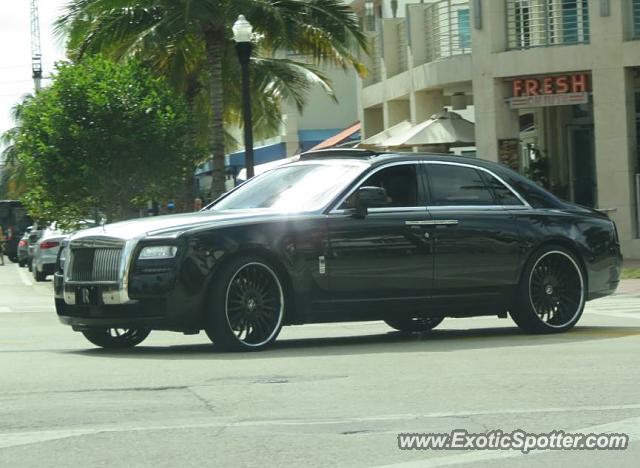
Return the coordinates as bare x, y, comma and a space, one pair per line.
343, 235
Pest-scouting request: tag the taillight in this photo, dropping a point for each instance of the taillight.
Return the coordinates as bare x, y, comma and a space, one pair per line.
48, 245
22, 243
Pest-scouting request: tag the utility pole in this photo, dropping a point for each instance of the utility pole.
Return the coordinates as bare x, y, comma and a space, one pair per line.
36, 50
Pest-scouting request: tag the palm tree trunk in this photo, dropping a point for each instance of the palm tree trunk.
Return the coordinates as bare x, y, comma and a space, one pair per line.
188, 195
214, 38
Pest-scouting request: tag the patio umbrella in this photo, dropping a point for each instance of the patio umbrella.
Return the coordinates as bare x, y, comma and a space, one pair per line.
378, 139
444, 128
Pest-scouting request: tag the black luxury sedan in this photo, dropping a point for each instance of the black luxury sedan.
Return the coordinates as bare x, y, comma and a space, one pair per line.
343, 235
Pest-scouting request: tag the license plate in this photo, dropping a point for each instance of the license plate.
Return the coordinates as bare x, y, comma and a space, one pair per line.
87, 295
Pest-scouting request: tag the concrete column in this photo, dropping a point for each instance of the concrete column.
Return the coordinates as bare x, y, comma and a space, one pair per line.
494, 119
424, 104
395, 112
614, 124
615, 157
372, 122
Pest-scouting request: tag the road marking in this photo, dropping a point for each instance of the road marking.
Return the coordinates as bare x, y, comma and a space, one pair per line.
629, 426
23, 276
13, 439
4, 309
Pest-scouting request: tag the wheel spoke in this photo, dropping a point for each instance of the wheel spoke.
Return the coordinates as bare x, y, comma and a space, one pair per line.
254, 304
556, 289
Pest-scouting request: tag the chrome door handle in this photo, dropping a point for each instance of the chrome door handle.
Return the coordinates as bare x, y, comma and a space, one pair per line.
433, 222
420, 223
446, 222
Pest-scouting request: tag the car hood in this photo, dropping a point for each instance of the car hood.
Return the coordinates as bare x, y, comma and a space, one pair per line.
174, 225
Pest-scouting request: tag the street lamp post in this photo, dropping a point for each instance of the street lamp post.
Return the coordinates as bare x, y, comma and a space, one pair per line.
242, 32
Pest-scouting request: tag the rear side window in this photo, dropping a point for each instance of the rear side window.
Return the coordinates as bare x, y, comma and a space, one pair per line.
502, 193
457, 185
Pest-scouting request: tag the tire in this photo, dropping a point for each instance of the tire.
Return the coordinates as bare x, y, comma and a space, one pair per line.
21, 263
30, 265
246, 305
38, 275
414, 324
552, 292
117, 338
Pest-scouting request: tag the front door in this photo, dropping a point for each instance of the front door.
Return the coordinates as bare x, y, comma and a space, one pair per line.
384, 260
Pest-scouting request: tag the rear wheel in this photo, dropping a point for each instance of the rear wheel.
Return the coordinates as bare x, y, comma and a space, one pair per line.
414, 324
246, 306
117, 338
552, 292
39, 276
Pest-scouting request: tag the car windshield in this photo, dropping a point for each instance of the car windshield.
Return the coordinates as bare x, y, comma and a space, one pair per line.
297, 188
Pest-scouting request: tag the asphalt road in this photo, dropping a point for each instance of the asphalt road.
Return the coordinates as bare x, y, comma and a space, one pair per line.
326, 395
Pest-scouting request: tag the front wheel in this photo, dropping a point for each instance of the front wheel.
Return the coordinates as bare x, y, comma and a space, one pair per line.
414, 324
552, 292
246, 305
116, 338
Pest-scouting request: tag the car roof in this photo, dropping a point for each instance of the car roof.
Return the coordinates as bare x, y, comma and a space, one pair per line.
374, 158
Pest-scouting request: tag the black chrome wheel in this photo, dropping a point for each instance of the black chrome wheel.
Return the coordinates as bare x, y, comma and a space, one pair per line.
116, 337
248, 305
552, 292
414, 324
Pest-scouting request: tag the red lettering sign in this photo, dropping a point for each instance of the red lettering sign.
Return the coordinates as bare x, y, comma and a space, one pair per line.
561, 84
531, 87
517, 88
579, 83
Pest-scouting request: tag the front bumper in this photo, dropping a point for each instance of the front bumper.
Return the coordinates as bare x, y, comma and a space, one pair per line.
172, 310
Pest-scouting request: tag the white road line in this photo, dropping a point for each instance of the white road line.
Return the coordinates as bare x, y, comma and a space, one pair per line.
625, 315
23, 276
13, 439
630, 426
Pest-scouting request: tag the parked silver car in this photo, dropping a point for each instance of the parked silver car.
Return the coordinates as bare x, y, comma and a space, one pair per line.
45, 252
23, 248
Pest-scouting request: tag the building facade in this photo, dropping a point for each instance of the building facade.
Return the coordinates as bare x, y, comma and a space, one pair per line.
323, 117
553, 87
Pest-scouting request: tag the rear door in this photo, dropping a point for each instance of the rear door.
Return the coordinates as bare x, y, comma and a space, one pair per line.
476, 242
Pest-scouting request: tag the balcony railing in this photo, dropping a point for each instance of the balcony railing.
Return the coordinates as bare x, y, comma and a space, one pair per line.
373, 60
540, 23
448, 29
635, 19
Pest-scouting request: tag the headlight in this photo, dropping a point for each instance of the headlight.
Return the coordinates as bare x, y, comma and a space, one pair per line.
158, 252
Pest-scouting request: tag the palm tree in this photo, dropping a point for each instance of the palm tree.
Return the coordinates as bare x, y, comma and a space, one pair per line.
190, 42
14, 177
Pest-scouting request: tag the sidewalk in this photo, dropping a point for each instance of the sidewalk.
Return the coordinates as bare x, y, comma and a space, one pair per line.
630, 263
629, 286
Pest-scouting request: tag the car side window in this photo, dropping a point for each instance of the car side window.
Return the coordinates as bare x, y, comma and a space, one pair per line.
503, 195
451, 185
399, 181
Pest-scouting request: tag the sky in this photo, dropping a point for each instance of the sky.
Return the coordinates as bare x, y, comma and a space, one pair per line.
15, 50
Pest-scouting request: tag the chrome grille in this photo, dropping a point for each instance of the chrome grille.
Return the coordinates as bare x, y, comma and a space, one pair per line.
100, 264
